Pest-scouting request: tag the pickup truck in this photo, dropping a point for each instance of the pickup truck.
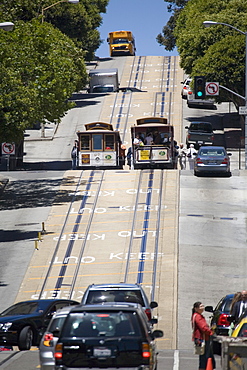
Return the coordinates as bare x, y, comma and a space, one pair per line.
199, 133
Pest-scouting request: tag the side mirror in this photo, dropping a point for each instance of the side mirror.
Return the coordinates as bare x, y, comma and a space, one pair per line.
153, 304
153, 321
108, 40
157, 333
229, 154
186, 127
209, 309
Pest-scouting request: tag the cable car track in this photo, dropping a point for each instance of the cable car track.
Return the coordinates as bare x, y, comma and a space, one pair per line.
65, 259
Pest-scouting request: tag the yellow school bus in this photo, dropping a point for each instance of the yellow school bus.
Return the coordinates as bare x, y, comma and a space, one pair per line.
121, 43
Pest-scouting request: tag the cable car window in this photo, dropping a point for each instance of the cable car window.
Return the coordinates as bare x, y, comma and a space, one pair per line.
97, 141
109, 142
85, 142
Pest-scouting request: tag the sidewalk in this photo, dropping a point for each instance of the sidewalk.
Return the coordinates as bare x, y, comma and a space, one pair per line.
35, 134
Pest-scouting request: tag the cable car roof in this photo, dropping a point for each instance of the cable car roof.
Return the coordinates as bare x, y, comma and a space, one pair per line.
98, 126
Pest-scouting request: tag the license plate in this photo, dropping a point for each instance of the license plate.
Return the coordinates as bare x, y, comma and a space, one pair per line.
211, 162
102, 352
200, 142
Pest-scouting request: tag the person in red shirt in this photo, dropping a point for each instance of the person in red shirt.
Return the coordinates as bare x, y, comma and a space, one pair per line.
201, 331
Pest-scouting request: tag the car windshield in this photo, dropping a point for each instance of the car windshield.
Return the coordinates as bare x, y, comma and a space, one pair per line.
21, 309
212, 152
99, 296
120, 41
202, 126
102, 323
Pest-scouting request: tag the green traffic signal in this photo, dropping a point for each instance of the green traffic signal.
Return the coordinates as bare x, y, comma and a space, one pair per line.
199, 87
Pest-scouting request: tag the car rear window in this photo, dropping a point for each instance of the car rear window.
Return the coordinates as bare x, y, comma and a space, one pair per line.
56, 323
212, 152
203, 127
101, 324
99, 296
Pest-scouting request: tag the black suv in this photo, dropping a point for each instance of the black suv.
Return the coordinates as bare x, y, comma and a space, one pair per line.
107, 336
122, 292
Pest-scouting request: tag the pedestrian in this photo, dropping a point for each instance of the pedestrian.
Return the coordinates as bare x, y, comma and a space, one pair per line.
191, 156
129, 157
240, 306
74, 155
182, 156
202, 332
175, 149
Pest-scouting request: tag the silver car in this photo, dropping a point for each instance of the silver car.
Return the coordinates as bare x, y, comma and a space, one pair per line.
50, 338
212, 159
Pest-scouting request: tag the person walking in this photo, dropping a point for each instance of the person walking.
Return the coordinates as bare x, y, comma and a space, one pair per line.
240, 306
182, 156
74, 155
201, 331
191, 156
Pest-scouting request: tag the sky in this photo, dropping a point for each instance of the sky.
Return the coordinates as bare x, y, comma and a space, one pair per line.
145, 18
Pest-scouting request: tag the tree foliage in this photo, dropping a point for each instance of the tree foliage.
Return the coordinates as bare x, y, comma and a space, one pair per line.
218, 52
167, 37
40, 69
78, 21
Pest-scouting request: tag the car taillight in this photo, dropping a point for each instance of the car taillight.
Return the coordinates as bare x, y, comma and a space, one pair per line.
58, 351
199, 160
48, 339
222, 320
148, 313
225, 161
212, 137
190, 93
145, 350
188, 136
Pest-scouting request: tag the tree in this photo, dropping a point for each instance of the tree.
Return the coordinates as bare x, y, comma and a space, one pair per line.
40, 69
217, 52
167, 37
79, 22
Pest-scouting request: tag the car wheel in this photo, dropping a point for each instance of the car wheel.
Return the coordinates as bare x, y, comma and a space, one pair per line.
195, 173
25, 339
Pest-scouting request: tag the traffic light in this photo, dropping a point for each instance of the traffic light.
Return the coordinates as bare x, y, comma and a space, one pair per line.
199, 83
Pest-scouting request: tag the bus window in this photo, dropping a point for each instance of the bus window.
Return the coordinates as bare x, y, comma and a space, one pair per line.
97, 141
109, 142
85, 144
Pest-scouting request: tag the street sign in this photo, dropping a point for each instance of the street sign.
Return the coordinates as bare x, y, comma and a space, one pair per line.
8, 148
243, 110
212, 88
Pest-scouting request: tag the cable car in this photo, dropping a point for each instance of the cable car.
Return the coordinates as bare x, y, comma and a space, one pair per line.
100, 147
153, 143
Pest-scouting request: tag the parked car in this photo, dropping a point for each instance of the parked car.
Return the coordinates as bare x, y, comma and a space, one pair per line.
24, 323
199, 133
50, 338
186, 87
112, 335
221, 312
241, 329
212, 159
122, 292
